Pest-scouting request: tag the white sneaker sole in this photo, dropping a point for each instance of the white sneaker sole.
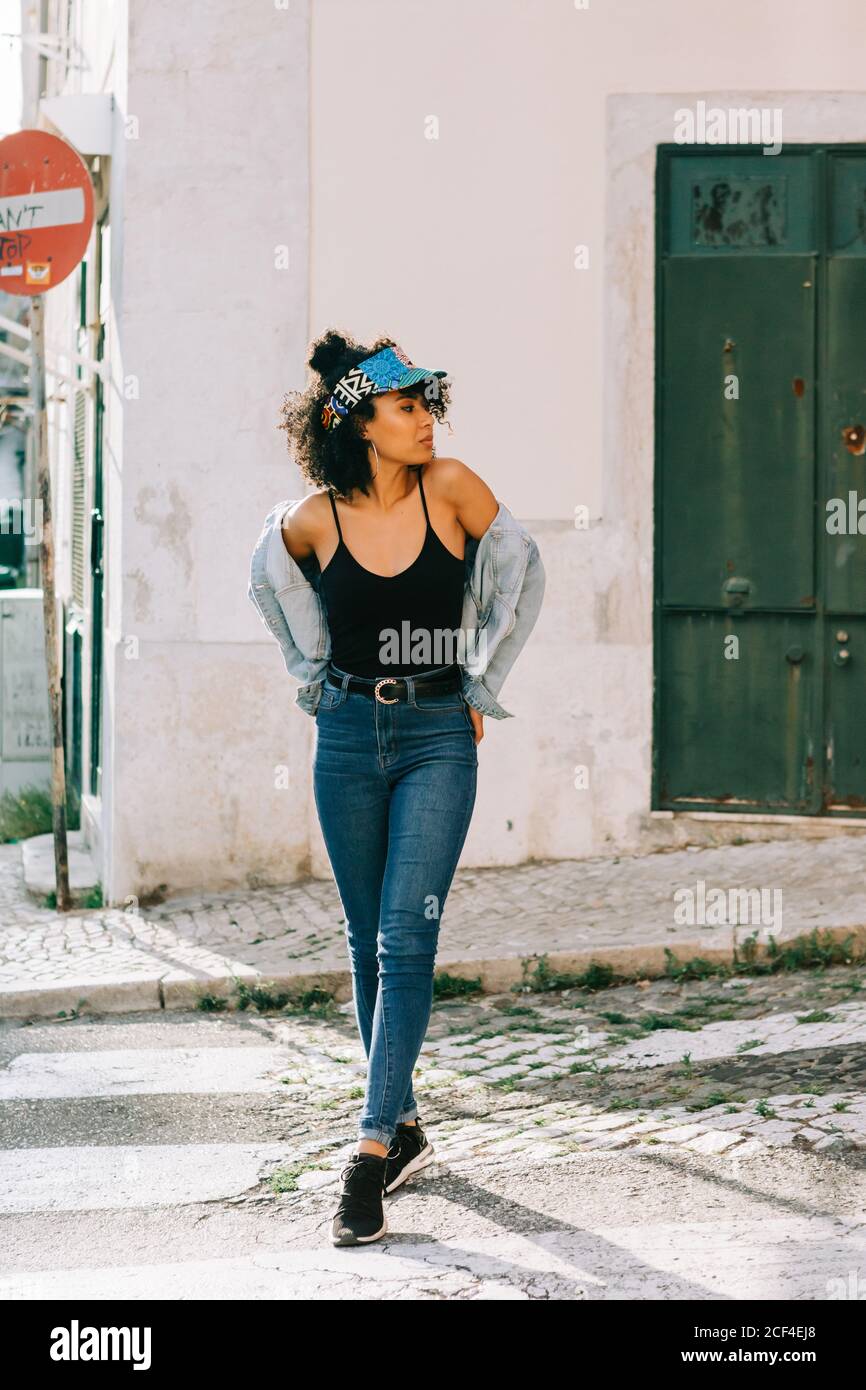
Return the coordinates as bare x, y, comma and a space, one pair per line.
362, 1240
420, 1161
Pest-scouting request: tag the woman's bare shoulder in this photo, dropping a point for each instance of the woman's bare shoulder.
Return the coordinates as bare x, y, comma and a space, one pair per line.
472, 501
304, 523
453, 476
443, 472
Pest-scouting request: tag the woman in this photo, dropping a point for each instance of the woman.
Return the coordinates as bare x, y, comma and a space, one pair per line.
395, 763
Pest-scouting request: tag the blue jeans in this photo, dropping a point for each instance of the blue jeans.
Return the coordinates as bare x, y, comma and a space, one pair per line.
395, 790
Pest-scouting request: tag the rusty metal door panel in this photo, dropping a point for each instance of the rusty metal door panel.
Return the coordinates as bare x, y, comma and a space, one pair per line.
761, 480
739, 682
739, 711
842, 493
728, 204
738, 376
842, 444
845, 775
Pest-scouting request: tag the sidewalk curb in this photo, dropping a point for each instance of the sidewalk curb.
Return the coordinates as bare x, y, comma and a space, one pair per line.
175, 990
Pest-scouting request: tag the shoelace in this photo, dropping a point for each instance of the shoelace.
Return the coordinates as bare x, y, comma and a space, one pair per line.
356, 1197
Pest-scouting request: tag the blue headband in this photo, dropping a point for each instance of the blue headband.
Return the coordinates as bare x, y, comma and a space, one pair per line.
387, 370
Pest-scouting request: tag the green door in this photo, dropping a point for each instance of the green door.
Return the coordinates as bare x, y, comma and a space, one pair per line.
760, 593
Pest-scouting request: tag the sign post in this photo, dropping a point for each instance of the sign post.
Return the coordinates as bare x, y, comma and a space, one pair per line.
46, 217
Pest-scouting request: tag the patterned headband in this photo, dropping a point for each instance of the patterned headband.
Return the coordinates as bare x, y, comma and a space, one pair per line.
387, 370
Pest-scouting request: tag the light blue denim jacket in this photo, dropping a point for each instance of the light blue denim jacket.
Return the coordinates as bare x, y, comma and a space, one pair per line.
504, 586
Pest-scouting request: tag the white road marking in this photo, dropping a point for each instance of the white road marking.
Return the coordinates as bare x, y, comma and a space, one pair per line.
102, 1178
788, 1257
150, 1071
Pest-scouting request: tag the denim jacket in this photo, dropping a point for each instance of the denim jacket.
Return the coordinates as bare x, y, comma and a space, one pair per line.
503, 589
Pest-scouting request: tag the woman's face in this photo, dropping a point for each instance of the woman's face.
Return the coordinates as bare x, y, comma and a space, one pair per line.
402, 428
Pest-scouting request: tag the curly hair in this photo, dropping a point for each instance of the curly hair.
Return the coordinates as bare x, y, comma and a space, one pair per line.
338, 458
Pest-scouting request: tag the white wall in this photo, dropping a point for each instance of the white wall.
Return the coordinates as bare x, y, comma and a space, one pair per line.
210, 333
462, 247
245, 128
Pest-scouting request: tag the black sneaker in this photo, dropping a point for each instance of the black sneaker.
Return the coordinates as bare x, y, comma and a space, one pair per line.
359, 1217
409, 1152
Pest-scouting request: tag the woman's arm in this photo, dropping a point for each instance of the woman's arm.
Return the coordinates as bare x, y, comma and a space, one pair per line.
474, 506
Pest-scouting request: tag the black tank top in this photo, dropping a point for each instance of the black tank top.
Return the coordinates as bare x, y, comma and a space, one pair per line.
362, 605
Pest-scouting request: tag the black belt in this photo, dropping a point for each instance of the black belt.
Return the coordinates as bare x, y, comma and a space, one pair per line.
388, 690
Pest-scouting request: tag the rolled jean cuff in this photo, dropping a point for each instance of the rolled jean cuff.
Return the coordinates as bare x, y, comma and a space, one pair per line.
381, 1136
408, 1115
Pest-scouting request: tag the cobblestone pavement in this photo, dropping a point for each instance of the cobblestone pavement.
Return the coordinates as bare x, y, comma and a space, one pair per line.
731, 1068
662, 1139
168, 954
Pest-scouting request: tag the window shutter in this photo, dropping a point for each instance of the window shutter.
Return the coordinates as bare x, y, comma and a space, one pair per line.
80, 539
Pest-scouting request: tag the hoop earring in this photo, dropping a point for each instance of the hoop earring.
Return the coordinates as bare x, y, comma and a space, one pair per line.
376, 452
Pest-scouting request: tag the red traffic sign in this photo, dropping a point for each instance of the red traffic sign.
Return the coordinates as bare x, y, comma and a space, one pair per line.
46, 211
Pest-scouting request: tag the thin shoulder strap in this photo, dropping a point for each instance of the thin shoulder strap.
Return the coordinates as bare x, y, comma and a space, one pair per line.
334, 510
421, 486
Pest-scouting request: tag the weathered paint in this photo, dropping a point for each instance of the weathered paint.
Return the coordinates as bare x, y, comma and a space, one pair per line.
761, 376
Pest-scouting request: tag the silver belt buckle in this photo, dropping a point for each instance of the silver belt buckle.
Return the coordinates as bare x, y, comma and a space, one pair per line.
386, 680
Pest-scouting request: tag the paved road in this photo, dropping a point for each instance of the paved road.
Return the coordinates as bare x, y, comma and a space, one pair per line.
657, 1141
